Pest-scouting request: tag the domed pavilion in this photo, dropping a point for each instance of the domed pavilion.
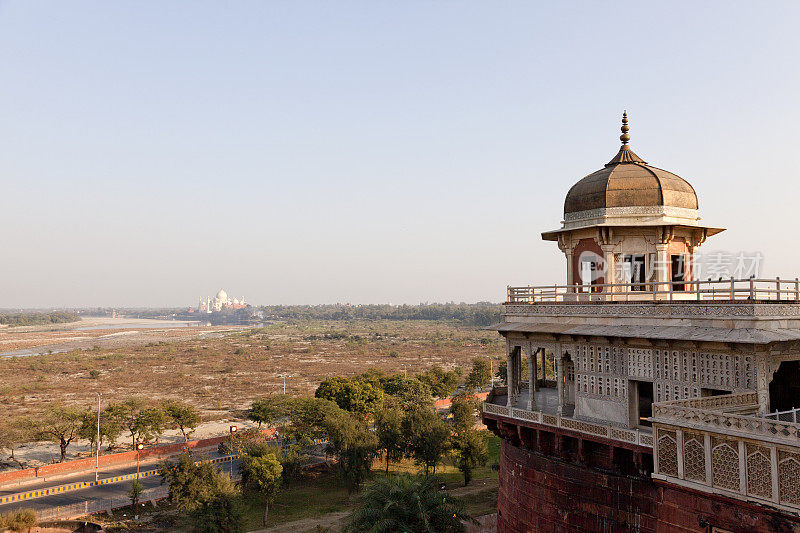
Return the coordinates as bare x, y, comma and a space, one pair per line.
629, 222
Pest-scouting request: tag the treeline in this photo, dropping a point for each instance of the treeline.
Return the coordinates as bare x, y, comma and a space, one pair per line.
38, 319
478, 314
139, 419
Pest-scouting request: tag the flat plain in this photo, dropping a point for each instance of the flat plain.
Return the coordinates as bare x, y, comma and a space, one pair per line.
222, 369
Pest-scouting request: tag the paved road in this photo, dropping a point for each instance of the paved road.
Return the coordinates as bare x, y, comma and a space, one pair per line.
101, 491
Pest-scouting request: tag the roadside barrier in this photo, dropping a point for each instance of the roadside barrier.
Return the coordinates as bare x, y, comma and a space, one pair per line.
85, 484
100, 505
22, 496
113, 459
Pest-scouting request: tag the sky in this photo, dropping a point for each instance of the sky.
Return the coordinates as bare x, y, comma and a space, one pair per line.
369, 152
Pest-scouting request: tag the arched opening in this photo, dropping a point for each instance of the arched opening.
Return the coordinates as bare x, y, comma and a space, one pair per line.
784, 391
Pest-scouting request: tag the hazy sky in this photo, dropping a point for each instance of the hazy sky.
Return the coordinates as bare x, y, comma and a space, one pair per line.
313, 152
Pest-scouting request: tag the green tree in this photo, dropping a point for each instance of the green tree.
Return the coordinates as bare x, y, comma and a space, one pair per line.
219, 514
427, 437
143, 420
441, 383
405, 503
389, 430
406, 393
181, 415
109, 427
61, 424
480, 375
191, 484
15, 431
263, 472
307, 418
463, 409
134, 493
470, 450
353, 444
269, 409
351, 394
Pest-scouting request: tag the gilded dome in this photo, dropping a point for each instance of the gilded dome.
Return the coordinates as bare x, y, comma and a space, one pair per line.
628, 181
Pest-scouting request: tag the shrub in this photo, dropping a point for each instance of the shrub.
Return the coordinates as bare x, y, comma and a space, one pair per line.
20, 520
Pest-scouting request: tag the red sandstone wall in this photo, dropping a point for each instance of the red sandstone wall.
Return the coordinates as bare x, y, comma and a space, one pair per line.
584, 245
542, 494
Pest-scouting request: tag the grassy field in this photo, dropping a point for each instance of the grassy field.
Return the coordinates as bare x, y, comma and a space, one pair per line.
223, 375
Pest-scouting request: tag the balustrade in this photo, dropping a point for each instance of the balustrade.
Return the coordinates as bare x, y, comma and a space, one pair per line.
751, 289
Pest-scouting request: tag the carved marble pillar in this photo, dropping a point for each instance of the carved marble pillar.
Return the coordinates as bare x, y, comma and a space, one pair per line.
662, 269
531, 377
609, 266
510, 376
763, 379
570, 278
560, 378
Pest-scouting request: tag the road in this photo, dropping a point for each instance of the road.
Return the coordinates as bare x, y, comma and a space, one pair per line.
117, 490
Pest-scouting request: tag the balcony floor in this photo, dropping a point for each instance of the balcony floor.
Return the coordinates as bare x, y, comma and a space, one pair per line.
546, 401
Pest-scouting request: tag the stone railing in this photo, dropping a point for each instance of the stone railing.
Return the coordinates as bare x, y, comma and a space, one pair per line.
710, 290
715, 414
699, 444
629, 436
740, 401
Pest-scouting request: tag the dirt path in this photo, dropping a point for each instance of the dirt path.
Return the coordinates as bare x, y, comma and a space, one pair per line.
334, 521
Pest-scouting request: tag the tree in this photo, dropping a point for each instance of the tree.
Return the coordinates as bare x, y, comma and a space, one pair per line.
218, 514
61, 424
470, 449
353, 444
269, 409
442, 384
351, 394
388, 428
480, 375
134, 493
406, 393
463, 409
427, 437
191, 484
142, 419
405, 503
182, 415
109, 427
14, 432
307, 418
264, 473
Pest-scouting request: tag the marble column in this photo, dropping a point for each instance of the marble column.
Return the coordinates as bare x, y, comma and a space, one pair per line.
531, 378
662, 269
763, 379
510, 376
560, 378
609, 272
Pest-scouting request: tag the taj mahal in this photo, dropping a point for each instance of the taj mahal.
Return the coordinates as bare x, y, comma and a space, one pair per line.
220, 302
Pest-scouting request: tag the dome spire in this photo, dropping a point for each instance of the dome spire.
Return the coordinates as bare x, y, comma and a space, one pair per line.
625, 154
625, 137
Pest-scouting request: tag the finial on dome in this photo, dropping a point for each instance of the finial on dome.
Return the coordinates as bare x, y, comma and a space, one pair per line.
624, 137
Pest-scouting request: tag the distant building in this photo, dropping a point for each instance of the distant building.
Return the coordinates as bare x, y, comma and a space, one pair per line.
220, 302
